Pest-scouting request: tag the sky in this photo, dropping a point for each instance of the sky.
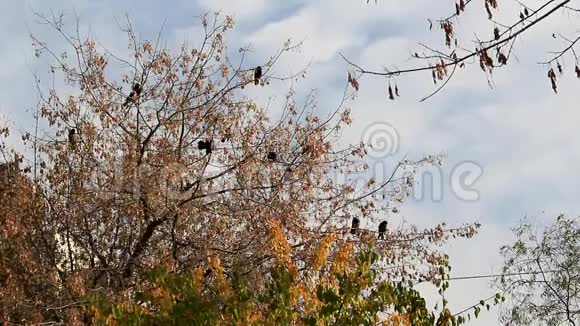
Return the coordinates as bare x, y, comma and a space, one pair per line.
509, 132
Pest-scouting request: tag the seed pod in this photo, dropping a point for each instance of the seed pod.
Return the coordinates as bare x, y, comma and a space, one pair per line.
489, 14
552, 77
502, 59
496, 33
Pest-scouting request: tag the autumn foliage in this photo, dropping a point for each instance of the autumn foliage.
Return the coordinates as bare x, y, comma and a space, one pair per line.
154, 176
341, 288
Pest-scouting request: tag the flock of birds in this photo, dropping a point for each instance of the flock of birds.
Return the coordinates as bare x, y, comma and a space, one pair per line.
382, 227
207, 145
136, 91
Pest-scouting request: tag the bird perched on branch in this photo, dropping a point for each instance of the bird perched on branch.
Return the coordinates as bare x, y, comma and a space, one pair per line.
137, 89
205, 145
135, 93
72, 138
354, 225
382, 230
257, 75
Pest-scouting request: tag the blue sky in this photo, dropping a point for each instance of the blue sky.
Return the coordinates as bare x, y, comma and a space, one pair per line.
520, 133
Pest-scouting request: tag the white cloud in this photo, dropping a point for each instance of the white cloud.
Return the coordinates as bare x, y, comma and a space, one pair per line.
241, 9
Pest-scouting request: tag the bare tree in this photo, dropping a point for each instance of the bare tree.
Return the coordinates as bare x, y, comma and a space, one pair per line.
490, 52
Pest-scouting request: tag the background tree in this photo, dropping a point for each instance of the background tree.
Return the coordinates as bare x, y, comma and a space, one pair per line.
170, 165
541, 276
491, 50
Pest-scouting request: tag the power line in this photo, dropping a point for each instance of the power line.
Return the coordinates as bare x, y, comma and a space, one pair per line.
481, 276
472, 277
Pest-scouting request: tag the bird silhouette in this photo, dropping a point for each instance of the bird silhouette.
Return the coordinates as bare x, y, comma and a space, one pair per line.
72, 137
257, 75
382, 230
354, 226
